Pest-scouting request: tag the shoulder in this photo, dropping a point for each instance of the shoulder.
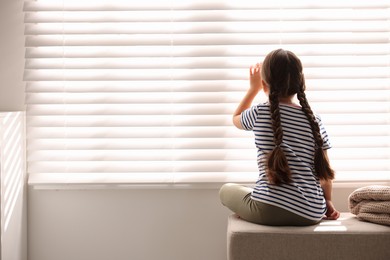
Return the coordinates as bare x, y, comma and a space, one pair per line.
249, 117
262, 107
258, 109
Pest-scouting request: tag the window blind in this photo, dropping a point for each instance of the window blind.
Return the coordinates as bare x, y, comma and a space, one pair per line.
143, 91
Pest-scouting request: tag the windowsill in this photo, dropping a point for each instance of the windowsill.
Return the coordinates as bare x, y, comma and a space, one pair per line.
165, 181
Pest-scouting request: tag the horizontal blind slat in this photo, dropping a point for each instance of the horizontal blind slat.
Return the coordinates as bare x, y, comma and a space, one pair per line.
255, 51
189, 74
207, 15
194, 86
346, 107
186, 166
198, 62
180, 98
211, 142
120, 5
157, 166
206, 27
207, 39
190, 120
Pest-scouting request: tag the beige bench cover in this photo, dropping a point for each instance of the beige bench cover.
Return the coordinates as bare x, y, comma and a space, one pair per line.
345, 238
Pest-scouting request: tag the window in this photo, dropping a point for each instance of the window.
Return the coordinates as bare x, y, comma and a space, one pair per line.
143, 91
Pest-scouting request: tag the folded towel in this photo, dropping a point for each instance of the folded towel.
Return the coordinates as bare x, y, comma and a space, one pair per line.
371, 203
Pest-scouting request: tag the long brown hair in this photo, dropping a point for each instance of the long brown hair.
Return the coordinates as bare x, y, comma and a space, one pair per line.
282, 71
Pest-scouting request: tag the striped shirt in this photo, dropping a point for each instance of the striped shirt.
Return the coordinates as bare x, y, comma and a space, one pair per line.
304, 195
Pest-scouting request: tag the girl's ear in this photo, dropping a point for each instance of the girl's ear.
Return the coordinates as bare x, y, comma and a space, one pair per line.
265, 87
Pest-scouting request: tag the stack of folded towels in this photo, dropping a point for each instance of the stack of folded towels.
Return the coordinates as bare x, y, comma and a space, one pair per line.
371, 203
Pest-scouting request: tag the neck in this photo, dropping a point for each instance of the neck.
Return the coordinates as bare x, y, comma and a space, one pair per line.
286, 100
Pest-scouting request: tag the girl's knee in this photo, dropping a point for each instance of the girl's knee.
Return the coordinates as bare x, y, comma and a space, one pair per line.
223, 190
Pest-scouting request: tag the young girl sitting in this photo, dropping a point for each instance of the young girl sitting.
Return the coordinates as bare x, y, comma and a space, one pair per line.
295, 179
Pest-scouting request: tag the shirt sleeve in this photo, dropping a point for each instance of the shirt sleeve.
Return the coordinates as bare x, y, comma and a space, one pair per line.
248, 118
327, 145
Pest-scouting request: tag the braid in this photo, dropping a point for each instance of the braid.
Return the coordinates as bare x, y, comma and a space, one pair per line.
321, 162
310, 116
278, 170
275, 117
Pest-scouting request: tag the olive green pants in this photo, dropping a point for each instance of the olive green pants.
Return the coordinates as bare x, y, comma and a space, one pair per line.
238, 199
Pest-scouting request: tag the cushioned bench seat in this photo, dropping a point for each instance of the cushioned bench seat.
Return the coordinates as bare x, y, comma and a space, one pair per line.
345, 238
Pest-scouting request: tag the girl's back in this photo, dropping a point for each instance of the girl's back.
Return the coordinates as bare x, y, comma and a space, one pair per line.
303, 195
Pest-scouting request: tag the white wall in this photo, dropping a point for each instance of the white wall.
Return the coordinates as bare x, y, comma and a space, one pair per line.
11, 55
131, 223
124, 224
13, 193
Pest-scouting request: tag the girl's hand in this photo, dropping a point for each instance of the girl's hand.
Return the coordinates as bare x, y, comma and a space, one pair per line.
255, 77
246, 102
331, 213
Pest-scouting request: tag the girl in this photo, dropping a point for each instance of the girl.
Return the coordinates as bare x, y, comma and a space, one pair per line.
295, 179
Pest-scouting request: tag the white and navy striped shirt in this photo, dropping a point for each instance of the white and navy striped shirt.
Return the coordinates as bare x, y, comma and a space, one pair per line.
304, 195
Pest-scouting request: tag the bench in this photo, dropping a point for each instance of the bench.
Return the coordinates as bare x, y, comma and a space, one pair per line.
345, 238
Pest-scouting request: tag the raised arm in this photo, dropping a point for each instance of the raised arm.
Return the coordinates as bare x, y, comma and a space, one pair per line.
246, 102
